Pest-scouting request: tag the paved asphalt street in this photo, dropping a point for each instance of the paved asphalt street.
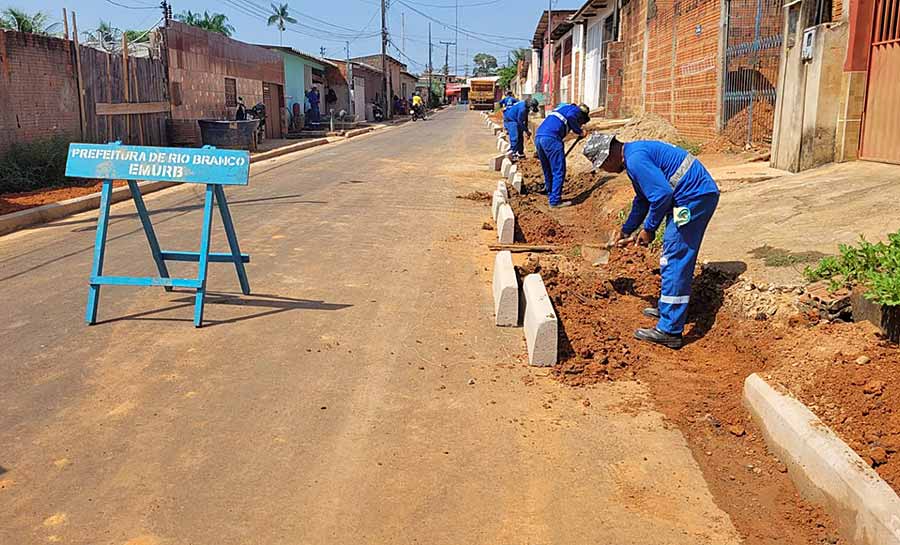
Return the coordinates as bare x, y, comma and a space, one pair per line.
360, 395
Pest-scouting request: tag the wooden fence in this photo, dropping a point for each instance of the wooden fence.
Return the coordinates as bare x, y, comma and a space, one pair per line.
125, 98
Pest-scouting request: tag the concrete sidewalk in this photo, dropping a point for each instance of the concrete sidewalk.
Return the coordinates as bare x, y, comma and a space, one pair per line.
814, 210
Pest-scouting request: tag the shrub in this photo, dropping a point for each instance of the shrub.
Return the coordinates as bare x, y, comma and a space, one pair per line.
27, 166
875, 266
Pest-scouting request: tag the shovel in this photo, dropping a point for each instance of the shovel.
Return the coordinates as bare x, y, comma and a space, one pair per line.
603, 257
577, 140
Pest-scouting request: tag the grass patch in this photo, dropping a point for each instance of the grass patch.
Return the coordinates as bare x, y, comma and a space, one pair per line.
38, 164
779, 257
875, 266
690, 146
575, 251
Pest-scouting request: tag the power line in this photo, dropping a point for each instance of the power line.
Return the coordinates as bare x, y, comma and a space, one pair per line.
464, 32
130, 7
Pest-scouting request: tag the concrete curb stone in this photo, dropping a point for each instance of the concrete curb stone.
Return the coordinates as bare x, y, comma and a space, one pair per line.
505, 166
506, 291
540, 323
506, 224
513, 170
824, 468
501, 187
496, 162
517, 182
497, 200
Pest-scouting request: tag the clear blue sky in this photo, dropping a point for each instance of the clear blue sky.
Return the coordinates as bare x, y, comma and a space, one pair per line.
497, 25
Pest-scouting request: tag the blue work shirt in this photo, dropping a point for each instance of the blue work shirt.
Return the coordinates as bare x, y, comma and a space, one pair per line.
558, 128
650, 164
517, 113
506, 102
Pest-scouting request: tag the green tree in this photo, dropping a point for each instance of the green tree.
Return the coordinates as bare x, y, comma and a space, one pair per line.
520, 55
217, 22
507, 74
137, 36
280, 16
485, 65
22, 21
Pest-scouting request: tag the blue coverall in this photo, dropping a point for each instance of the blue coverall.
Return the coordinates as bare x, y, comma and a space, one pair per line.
549, 143
652, 165
313, 97
515, 121
507, 101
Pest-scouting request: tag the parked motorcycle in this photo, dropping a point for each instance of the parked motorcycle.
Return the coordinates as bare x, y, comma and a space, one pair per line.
377, 112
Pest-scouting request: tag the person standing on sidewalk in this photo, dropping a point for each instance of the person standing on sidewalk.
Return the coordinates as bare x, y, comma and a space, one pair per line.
515, 121
669, 183
549, 143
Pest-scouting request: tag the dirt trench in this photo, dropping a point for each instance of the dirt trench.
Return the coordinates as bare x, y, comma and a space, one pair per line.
699, 387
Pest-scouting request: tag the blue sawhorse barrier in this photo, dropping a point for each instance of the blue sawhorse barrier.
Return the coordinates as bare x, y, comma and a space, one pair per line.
215, 168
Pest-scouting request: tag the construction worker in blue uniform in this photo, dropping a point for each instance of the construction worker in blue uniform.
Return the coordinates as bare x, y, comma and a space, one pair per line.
508, 100
669, 184
515, 121
549, 143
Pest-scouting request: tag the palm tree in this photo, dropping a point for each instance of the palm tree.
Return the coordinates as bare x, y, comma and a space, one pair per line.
217, 22
22, 21
279, 17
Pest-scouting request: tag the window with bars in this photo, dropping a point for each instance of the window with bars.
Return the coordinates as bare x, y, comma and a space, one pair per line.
887, 22
230, 93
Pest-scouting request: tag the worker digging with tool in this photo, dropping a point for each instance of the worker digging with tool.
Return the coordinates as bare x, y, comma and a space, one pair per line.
515, 121
549, 143
669, 183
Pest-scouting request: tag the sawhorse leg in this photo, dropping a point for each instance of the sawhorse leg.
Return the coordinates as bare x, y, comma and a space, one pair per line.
204, 254
148, 230
99, 252
232, 240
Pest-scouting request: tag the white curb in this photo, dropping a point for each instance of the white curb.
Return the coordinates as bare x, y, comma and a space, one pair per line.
540, 323
506, 291
501, 187
505, 166
496, 162
824, 468
497, 200
512, 172
506, 224
517, 182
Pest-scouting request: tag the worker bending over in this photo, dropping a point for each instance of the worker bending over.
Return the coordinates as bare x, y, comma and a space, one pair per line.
669, 183
508, 100
515, 121
549, 143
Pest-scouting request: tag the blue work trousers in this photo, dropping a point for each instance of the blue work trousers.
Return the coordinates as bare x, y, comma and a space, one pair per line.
552, 154
679, 257
516, 136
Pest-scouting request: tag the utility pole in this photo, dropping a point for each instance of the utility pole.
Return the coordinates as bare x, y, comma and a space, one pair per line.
403, 30
430, 69
446, 66
548, 102
456, 43
350, 89
384, 79
167, 11
322, 51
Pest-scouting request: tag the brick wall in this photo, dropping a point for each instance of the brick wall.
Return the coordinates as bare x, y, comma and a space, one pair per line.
38, 88
680, 81
614, 61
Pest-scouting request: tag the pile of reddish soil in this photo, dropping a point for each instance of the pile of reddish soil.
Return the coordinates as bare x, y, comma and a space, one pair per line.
13, 202
476, 196
733, 138
648, 127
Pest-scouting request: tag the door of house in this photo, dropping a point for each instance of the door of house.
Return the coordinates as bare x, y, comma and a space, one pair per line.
881, 121
359, 98
592, 67
272, 98
607, 36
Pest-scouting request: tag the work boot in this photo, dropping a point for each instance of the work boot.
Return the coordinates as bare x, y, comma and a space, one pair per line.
651, 312
561, 204
653, 335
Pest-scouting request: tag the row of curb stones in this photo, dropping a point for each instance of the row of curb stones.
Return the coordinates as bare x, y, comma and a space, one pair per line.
539, 320
823, 467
